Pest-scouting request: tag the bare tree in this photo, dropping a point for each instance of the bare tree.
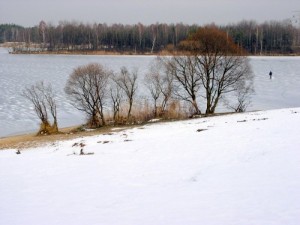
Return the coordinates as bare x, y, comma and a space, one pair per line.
87, 88
187, 80
166, 87
43, 99
127, 81
116, 98
218, 63
42, 30
152, 82
154, 29
160, 85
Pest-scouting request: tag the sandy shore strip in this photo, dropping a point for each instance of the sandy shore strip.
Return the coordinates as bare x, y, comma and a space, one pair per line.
32, 140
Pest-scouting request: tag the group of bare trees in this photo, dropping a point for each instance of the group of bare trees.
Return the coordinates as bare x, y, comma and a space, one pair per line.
74, 36
210, 68
272, 37
92, 88
89, 88
281, 37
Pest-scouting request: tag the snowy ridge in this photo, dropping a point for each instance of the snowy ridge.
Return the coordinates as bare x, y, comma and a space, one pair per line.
236, 169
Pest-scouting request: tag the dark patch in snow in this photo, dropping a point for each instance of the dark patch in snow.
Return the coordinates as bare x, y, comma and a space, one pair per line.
81, 145
75, 144
103, 142
78, 144
82, 153
241, 121
200, 130
88, 153
260, 119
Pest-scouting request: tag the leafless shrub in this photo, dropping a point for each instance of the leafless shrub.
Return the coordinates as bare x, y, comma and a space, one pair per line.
43, 99
241, 97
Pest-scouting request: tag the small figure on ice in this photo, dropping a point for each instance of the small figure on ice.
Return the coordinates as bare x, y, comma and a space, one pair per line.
270, 74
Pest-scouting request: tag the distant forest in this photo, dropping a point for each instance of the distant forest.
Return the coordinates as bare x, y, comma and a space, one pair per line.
272, 37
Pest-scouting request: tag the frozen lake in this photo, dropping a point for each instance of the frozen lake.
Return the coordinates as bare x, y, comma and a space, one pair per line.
17, 71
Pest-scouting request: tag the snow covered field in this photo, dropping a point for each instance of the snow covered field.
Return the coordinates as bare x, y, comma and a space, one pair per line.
241, 169
17, 71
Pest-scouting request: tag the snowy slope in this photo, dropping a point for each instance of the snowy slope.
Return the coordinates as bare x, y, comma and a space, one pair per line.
239, 169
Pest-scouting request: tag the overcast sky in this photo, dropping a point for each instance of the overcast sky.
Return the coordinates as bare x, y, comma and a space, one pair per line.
221, 12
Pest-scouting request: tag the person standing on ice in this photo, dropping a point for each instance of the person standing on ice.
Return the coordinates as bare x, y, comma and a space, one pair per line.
270, 74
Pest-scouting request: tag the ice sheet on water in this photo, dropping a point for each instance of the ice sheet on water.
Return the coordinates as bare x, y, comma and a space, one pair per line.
280, 92
17, 71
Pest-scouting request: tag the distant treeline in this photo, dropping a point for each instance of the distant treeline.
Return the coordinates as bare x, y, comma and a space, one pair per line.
267, 38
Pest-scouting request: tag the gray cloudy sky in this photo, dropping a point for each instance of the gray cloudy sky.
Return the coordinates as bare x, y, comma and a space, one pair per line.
30, 12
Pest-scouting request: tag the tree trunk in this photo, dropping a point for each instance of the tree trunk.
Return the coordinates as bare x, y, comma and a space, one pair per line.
197, 110
153, 44
102, 118
129, 110
155, 109
55, 126
208, 102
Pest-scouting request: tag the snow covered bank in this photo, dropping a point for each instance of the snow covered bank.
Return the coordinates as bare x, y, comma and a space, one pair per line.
235, 169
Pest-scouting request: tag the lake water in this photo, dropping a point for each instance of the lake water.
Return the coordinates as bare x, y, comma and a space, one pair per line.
17, 71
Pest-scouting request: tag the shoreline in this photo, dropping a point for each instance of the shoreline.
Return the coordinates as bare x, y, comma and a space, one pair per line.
31, 140
64, 52
113, 53
26, 140
116, 52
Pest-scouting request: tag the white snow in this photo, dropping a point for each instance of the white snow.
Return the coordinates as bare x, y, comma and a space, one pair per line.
241, 169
